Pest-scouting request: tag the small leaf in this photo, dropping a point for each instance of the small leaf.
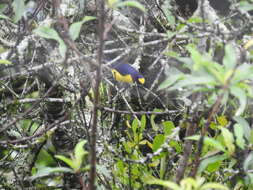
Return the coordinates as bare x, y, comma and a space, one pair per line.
208, 141
245, 125
131, 4
158, 142
128, 146
163, 165
168, 127
49, 33
228, 140
5, 62
88, 18
171, 53
155, 181
193, 80
4, 17
239, 133
112, 3
216, 186
152, 120
195, 20
68, 161
168, 11
75, 28
46, 32
210, 160
176, 145
170, 80
45, 171
243, 72
190, 182
44, 158
245, 6
135, 125
79, 153
143, 122
19, 9
241, 95
248, 163
62, 47
229, 59
120, 166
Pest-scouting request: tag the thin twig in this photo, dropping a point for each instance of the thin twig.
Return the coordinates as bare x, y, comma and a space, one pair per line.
139, 112
102, 36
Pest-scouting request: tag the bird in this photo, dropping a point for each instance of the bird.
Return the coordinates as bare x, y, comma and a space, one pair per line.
124, 72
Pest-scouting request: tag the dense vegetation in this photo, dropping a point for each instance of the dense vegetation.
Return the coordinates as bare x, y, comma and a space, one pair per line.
66, 123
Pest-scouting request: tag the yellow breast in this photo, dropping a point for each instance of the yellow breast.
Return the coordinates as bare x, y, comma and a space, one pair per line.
122, 78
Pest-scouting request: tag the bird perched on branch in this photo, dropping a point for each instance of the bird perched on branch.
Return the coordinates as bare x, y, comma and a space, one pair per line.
126, 73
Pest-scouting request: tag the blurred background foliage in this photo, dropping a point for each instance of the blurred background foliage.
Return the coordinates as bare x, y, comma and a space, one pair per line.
188, 127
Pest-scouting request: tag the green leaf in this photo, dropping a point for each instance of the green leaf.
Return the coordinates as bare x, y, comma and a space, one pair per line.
128, 146
143, 122
163, 164
112, 3
44, 159
79, 153
158, 142
168, 127
49, 33
155, 181
167, 9
75, 28
241, 95
228, 140
195, 20
245, 6
120, 166
19, 9
3, 7
229, 59
208, 141
62, 48
170, 80
190, 182
205, 63
239, 133
4, 17
30, 126
152, 120
243, 72
245, 125
135, 125
193, 80
131, 4
171, 53
68, 161
217, 186
45, 171
211, 160
196, 56
176, 145
5, 62
248, 163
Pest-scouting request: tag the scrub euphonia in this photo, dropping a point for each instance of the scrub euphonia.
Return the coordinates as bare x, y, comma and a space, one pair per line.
126, 73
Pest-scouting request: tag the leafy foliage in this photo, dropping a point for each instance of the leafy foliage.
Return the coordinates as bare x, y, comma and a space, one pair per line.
188, 127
